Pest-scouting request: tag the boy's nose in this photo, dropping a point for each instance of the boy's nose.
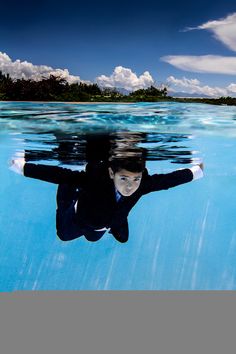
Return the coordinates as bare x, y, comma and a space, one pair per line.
129, 186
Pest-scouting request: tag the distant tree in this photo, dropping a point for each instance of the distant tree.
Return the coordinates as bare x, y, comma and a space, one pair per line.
5, 85
56, 88
149, 94
111, 93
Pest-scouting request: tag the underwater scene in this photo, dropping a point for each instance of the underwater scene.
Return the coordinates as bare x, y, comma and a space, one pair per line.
136, 196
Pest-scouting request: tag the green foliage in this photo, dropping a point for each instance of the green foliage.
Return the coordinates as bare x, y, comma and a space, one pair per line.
46, 89
56, 88
150, 94
229, 101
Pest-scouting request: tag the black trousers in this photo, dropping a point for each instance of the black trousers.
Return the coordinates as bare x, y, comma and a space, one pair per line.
66, 222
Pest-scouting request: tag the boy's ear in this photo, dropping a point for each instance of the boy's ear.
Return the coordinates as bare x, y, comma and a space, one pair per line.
111, 173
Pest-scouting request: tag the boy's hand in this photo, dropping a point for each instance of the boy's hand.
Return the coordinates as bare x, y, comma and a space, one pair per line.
197, 171
201, 165
17, 165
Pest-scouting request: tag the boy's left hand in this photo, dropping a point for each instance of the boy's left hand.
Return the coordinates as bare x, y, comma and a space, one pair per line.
201, 165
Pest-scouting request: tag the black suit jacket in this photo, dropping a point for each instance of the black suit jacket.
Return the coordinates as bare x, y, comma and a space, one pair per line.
97, 205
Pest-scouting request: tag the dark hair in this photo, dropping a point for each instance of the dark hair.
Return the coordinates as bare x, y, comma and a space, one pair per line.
128, 164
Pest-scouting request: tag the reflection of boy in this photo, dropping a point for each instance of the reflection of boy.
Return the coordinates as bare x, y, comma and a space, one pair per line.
100, 198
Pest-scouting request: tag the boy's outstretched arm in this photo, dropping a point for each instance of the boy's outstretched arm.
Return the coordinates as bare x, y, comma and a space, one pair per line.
52, 174
158, 182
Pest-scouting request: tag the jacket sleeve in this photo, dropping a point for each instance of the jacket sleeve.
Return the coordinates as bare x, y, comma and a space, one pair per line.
159, 182
54, 174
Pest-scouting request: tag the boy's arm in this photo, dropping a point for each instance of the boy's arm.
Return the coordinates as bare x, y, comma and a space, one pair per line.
158, 182
52, 174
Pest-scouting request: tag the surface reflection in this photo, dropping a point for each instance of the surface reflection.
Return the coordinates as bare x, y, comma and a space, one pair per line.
78, 149
99, 198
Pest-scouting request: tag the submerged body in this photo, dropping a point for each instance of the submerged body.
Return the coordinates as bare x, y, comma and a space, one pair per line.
95, 200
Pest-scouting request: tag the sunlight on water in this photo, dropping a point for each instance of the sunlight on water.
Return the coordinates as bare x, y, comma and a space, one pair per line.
146, 117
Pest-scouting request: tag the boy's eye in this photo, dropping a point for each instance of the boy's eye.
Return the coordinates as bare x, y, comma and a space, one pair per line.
123, 178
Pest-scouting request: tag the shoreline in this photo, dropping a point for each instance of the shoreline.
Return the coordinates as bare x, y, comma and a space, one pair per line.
228, 101
72, 102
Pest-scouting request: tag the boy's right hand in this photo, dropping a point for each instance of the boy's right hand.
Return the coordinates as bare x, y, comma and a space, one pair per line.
17, 165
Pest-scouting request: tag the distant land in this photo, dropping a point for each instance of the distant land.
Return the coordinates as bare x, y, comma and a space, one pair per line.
55, 88
187, 95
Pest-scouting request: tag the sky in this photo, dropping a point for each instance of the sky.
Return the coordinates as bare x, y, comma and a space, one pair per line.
190, 46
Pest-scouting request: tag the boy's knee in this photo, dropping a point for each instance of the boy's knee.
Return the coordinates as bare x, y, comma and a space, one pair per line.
63, 237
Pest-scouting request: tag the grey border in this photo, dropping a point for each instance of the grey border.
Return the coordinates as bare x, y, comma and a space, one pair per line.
118, 322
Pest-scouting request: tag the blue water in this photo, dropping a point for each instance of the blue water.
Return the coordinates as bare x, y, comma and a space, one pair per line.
180, 239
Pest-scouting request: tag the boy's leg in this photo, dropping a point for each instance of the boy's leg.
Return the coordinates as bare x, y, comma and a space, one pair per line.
92, 235
67, 228
66, 195
121, 232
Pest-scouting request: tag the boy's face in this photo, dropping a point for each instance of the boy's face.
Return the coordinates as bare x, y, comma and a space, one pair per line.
126, 182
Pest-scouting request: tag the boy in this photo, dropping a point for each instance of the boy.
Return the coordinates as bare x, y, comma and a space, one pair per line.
100, 198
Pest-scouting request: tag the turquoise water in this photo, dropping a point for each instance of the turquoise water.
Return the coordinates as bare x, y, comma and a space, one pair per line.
180, 239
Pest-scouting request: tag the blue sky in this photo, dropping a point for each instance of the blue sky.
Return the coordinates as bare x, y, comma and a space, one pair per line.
190, 45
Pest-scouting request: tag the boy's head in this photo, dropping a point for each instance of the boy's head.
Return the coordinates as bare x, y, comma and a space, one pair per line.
126, 174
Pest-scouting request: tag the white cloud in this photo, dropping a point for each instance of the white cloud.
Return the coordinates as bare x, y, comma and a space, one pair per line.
224, 30
194, 87
125, 78
23, 69
184, 82
232, 88
203, 63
